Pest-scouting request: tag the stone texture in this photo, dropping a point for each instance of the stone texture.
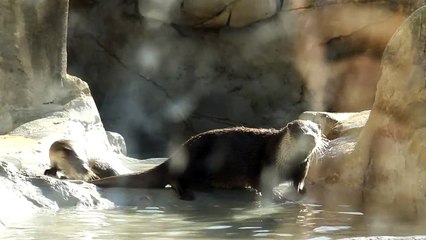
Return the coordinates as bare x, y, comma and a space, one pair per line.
175, 81
380, 167
117, 142
392, 147
209, 14
39, 104
31, 64
385, 158
335, 125
330, 181
229, 13
342, 130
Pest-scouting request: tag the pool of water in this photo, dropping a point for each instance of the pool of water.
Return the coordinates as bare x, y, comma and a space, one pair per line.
226, 217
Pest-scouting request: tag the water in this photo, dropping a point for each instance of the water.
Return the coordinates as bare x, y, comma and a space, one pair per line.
234, 216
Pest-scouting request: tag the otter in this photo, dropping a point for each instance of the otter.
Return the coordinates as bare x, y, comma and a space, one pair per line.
233, 158
65, 156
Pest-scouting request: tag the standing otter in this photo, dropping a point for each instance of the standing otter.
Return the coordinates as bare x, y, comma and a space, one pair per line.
233, 158
72, 161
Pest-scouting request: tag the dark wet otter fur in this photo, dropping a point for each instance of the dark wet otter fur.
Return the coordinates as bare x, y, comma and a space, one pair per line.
232, 158
65, 157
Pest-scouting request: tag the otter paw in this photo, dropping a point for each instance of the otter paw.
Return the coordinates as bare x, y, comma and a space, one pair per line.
51, 172
92, 177
187, 195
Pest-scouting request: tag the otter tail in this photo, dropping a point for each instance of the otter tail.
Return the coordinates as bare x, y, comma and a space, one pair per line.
156, 177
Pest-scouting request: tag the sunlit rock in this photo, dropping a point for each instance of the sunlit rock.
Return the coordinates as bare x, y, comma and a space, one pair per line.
209, 14
330, 170
23, 193
26, 149
39, 104
392, 146
213, 13
335, 125
382, 164
117, 142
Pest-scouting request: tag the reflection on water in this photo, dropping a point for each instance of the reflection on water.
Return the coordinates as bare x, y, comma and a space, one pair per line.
215, 219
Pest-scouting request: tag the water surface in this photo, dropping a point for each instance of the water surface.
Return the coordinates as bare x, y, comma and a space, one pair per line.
226, 217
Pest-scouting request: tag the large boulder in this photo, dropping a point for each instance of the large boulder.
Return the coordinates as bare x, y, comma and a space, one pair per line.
381, 166
392, 147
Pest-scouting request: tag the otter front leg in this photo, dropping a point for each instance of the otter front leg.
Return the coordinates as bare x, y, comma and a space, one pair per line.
53, 172
299, 175
182, 190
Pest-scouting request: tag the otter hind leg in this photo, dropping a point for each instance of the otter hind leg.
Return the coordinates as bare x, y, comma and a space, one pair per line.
182, 190
156, 177
91, 176
102, 169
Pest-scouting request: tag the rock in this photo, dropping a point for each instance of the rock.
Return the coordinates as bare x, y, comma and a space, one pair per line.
380, 167
329, 180
32, 65
117, 142
223, 13
39, 104
168, 11
211, 14
342, 129
392, 146
26, 147
176, 79
246, 12
200, 13
23, 194
335, 125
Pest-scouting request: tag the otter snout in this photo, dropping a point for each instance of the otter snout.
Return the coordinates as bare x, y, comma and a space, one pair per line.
294, 128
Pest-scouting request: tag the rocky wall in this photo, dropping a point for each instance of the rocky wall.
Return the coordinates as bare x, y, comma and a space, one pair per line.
39, 104
32, 66
162, 72
392, 146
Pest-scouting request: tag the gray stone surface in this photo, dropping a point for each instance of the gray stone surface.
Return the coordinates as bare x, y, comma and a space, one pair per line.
39, 104
33, 66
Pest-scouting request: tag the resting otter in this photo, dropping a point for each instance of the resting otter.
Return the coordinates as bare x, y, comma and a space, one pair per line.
66, 157
233, 158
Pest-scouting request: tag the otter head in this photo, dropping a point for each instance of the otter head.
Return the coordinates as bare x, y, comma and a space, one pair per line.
301, 139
